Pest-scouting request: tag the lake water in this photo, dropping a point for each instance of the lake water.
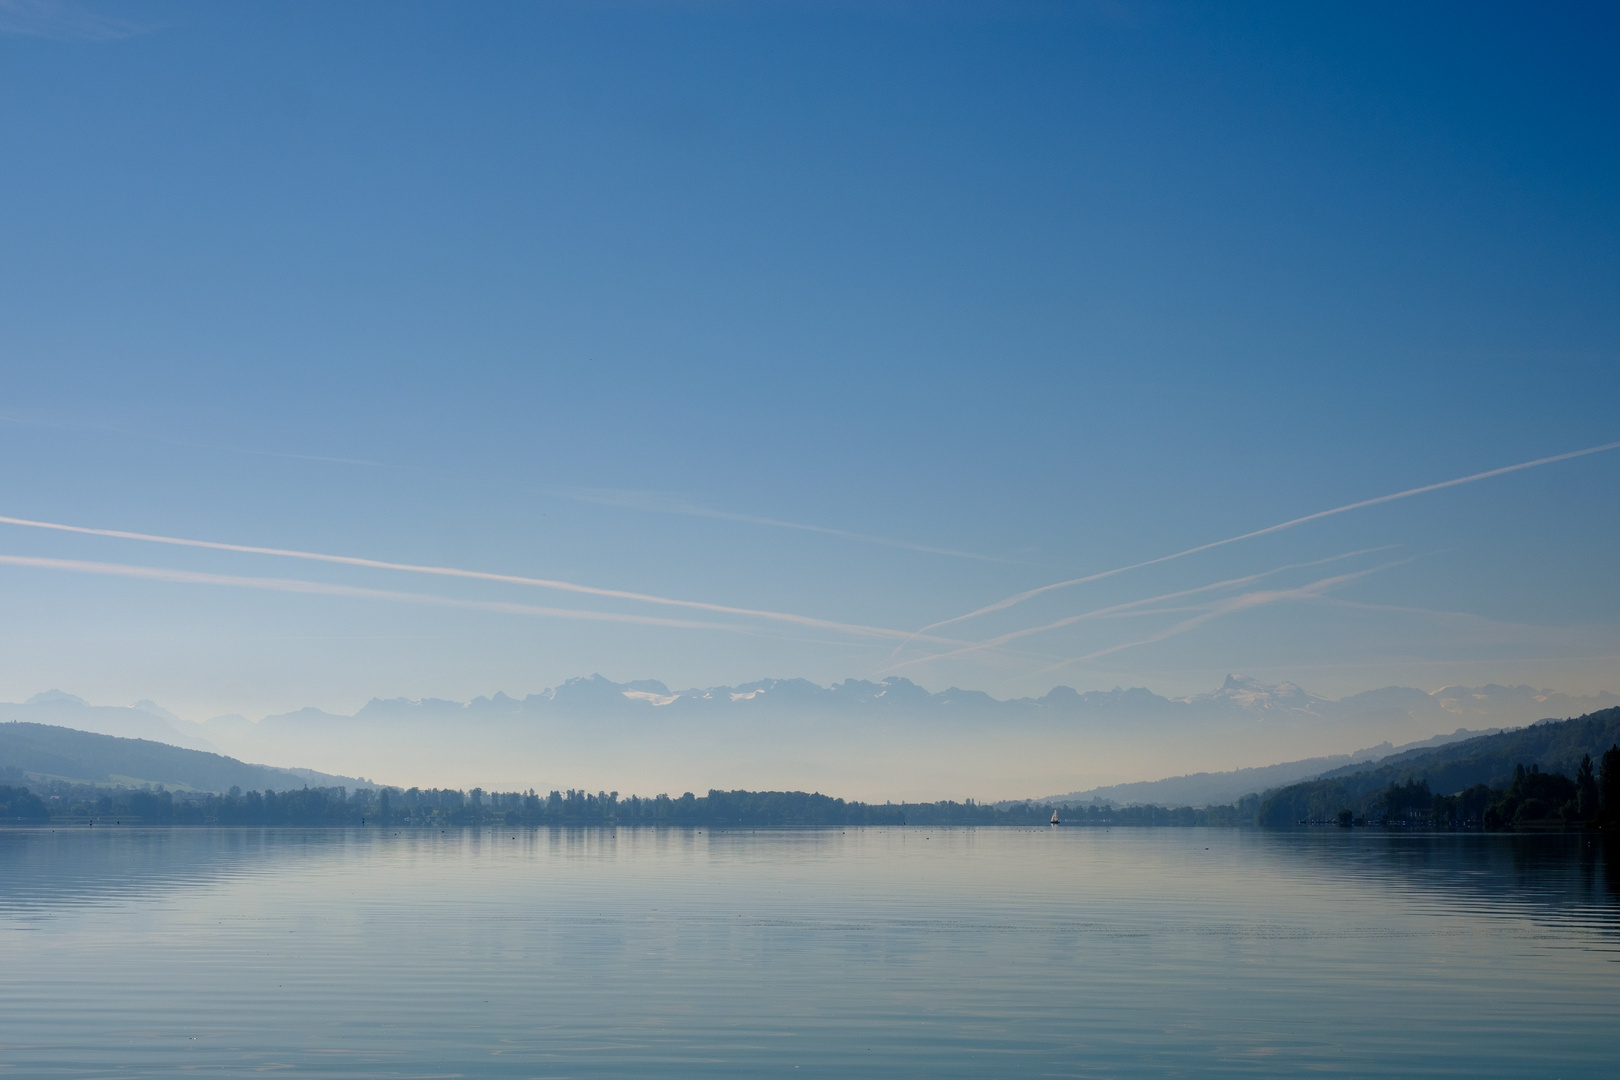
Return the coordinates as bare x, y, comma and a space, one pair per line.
867, 952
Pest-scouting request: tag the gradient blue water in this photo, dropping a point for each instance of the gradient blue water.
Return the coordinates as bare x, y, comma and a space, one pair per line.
875, 952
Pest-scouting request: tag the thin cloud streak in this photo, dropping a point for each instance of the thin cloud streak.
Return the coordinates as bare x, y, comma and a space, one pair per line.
321, 588
1469, 619
59, 21
476, 575
621, 500
1070, 620
1127, 607
1228, 607
633, 501
1019, 598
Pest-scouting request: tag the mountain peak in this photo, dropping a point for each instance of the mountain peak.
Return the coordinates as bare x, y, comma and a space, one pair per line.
1249, 692
152, 708
56, 697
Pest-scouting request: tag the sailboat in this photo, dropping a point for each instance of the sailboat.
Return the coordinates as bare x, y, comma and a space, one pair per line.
1055, 820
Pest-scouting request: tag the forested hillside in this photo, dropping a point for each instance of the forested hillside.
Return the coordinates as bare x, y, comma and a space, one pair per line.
1490, 761
44, 750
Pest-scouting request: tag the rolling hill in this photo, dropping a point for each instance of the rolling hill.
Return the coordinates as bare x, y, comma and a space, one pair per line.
44, 751
1555, 746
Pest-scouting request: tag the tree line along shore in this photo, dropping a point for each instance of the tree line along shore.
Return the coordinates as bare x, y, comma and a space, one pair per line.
1550, 776
59, 803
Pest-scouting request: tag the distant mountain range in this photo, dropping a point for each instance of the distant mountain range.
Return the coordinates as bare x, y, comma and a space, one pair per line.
872, 740
143, 720
35, 753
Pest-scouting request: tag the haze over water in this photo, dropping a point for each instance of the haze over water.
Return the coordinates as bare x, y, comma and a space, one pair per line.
883, 402
905, 951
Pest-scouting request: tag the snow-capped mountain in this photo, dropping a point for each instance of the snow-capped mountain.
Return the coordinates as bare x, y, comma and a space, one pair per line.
860, 738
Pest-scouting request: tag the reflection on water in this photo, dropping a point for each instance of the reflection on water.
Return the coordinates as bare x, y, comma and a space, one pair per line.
45, 870
917, 952
1570, 879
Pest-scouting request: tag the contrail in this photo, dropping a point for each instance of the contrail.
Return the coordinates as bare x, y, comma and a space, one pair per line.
321, 588
1019, 598
1227, 607
617, 499
478, 575
1099, 613
634, 501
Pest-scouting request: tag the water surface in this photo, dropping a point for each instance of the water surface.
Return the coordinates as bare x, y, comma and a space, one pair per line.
866, 952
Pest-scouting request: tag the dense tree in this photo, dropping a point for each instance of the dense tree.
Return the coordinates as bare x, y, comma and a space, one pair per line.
1465, 808
417, 807
18, 804
1452, 770
1406, 800
1586, 791
1608, 781
1533, 799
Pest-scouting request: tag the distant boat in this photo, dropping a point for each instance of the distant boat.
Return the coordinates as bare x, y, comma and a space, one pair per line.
1055, 820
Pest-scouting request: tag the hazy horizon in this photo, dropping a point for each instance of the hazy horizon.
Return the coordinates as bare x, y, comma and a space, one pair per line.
855, 739
864, 417
406, 352
53, 693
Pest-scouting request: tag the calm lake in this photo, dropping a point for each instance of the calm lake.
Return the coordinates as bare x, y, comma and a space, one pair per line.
871, 952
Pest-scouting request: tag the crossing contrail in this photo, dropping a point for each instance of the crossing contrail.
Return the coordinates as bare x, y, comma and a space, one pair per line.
1019, 598
1129, 605
1226, 607
479, 575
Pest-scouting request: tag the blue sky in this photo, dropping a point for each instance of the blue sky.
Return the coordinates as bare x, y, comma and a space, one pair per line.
985, 297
